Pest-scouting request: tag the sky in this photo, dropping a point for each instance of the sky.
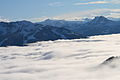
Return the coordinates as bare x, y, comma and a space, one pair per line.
37, 10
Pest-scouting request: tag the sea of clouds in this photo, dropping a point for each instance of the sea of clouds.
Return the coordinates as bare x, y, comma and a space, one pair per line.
78, 59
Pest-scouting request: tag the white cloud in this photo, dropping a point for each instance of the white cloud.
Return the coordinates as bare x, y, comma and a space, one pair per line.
115, 15
66, 62
38, 19
56, 4
4, 20
96, 2
99, 2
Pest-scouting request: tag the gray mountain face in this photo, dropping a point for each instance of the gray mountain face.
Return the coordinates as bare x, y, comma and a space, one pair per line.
23, 32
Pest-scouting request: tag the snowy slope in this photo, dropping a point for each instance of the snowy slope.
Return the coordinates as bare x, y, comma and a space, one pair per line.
77, 59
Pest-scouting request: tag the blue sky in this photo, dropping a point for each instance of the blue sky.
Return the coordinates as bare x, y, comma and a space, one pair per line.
36, 10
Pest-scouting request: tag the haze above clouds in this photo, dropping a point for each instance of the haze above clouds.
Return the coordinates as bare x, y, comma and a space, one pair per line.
62, 9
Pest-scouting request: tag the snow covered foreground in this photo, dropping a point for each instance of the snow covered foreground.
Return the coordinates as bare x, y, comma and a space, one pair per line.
77, 59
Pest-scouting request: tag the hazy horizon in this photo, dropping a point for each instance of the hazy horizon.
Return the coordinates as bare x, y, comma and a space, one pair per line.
37, 10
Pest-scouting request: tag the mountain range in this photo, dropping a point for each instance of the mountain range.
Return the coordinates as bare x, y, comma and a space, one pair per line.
20, 33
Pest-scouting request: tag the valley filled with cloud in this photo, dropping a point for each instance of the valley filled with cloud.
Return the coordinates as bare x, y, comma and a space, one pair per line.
78, 59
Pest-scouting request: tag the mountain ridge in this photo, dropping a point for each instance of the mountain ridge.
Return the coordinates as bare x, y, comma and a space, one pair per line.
23, 32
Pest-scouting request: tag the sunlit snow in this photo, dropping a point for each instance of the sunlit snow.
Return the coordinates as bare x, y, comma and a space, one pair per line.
77, 59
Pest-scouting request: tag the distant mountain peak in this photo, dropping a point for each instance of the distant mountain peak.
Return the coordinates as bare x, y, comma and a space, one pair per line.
54, 20
48, 20
100, 20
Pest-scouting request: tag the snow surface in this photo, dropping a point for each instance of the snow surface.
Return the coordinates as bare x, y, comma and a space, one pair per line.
76, 59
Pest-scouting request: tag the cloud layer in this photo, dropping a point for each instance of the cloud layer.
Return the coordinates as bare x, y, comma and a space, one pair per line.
56, 4
4, 20
71, 60
99, 2
96, 2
